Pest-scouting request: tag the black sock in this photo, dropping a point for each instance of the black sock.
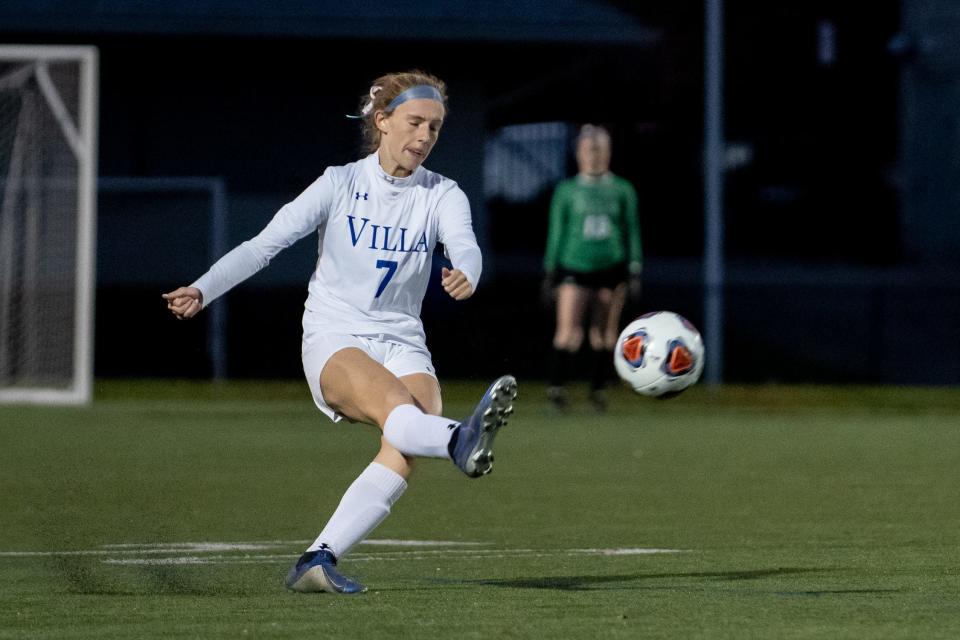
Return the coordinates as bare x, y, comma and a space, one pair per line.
560, 360
601, 362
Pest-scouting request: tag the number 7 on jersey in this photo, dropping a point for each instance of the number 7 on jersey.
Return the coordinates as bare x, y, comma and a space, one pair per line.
391, 267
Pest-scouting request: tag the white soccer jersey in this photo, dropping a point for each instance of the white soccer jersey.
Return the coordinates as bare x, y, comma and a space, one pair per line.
377, 234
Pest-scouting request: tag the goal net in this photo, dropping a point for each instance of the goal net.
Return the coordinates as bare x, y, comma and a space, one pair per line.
48, 119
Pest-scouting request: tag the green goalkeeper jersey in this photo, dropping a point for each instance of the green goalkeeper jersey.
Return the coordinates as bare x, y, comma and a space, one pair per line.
593, 225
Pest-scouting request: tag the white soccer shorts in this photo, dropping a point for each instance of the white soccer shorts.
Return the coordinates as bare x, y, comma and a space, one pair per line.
400, 359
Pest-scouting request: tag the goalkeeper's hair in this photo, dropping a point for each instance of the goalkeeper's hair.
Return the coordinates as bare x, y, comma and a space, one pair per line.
595, 133
382, 92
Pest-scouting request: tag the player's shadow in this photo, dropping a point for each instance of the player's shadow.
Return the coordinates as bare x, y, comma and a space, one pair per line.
581, 583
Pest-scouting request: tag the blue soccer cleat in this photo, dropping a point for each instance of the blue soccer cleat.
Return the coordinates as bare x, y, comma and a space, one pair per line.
316, 571
472, 450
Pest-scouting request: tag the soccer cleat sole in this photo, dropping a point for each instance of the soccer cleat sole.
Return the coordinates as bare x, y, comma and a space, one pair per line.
503, 392
316, 580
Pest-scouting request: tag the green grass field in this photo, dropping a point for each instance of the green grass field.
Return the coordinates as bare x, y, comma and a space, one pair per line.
173, 510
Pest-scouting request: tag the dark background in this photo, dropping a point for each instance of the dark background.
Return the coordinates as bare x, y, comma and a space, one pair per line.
842, 185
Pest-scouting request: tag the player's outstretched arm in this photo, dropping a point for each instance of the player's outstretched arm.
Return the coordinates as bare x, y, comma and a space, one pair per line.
184, 302
455, 283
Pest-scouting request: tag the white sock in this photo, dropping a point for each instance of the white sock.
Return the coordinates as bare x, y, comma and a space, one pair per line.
415, 433
364, 505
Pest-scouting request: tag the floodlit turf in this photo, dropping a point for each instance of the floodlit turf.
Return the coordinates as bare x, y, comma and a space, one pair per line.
791, 512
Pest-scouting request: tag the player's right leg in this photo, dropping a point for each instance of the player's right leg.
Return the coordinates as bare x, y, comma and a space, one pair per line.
364, 505
370, 497
572, 303
355, 386
316, 572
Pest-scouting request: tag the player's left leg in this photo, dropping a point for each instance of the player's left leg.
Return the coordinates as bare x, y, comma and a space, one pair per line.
612, 326
472, 443
426, 396
604, 322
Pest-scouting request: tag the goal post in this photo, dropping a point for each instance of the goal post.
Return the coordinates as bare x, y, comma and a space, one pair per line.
48, 158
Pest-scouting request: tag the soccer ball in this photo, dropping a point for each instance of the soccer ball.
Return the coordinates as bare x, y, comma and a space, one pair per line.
659, 354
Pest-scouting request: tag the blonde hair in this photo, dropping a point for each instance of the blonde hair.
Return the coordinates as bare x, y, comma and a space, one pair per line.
593, 132
382, 92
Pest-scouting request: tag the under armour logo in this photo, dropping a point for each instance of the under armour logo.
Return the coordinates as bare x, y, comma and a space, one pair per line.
358, 195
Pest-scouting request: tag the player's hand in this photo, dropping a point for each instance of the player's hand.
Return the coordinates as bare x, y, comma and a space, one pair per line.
634, 288
548, 290
185, 302
456, 284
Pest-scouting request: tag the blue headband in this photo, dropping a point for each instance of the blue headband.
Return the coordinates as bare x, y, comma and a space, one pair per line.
416, 92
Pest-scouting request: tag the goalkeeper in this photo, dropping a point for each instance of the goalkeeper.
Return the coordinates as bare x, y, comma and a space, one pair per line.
593, 260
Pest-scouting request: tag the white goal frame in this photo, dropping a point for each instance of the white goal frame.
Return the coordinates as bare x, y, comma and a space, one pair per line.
82, 139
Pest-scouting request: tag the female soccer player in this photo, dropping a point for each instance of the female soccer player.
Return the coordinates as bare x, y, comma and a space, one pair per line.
593, 252
364, 349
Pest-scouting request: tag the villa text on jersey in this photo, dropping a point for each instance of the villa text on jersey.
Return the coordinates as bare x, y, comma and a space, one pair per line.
376, 236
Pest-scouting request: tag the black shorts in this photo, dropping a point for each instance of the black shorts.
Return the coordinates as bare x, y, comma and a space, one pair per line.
607, 278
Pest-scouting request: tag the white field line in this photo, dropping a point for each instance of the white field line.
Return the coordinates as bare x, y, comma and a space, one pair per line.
388, 557
241, 546
189, 553
207, 547
391, 542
